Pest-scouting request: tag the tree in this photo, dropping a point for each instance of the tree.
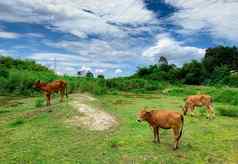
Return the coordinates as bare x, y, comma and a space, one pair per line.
163, 61
79, 73
220, 56
4, 72
89, 74
192, 73
101, 77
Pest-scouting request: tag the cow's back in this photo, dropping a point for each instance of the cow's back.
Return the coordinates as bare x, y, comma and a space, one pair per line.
166, 119
56, 85
199, 100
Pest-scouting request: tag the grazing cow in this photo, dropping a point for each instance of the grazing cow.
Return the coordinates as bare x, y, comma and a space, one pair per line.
54, 86
163, 119
197, 101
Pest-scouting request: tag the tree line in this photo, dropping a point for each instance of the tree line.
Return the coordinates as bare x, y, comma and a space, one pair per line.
219, 66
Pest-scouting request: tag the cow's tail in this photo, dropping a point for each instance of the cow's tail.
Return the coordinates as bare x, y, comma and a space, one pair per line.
181, 129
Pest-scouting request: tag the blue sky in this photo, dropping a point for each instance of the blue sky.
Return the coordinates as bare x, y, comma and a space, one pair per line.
114, 37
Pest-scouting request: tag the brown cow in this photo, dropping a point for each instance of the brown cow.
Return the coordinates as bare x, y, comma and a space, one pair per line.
197, 101
165, 120
54, 86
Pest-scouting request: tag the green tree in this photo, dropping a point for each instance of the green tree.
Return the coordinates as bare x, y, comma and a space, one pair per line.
163, 61
89, 74
220, 56
192, 73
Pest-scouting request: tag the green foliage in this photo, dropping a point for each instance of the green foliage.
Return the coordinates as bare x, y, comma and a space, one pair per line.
219, 56
220, 76
95, 86
229, 111
89, 74
133, 84
192, 73
214, 69
3, 72
9, 63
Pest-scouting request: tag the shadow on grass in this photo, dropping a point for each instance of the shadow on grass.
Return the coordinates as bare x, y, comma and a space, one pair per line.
17, 122
4, 111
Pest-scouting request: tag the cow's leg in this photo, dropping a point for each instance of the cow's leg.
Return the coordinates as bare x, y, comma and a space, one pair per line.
48, 98
192, 110
210, 111
158, 135
176, 137
155, 134
61, 95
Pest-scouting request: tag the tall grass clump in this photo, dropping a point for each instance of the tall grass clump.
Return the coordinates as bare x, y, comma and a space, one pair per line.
39, 102
229, 111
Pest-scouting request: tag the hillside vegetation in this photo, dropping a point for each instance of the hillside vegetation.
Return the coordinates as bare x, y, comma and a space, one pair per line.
219, 67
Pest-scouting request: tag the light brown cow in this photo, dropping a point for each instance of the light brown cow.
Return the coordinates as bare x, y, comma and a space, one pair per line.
163, 119
54, 86
197, 101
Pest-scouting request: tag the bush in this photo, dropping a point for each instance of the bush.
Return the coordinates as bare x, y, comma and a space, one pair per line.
4, 72
228, 111
228, 96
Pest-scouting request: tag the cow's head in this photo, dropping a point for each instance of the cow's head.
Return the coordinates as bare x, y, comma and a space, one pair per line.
184, 109
36, 84
143, 115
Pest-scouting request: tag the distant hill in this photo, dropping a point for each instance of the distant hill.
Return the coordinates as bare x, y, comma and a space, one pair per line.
10, 63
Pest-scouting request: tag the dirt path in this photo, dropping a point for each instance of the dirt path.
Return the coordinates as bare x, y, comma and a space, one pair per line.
90, 117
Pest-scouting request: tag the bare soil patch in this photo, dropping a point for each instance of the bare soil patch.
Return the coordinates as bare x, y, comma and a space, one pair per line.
90, 117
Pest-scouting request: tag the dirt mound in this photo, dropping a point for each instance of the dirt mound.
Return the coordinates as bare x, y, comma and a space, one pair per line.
90, 117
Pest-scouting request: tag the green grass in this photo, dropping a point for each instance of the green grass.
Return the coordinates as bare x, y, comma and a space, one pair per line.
45, 137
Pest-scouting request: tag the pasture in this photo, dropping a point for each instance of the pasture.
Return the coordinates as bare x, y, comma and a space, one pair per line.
30, 134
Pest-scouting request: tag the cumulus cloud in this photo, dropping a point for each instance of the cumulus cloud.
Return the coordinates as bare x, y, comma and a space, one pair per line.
175, 52
219, 18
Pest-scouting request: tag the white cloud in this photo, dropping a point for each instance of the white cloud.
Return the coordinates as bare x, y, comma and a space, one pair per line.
99, 71
85, 69
175, 52
12, 35
218, 17
118, 71
78, 17
112, 21
35, 35
8, 35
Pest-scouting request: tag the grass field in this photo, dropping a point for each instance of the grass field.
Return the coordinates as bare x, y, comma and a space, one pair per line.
28, 136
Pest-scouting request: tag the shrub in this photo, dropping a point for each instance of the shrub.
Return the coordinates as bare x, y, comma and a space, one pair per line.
228, 111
